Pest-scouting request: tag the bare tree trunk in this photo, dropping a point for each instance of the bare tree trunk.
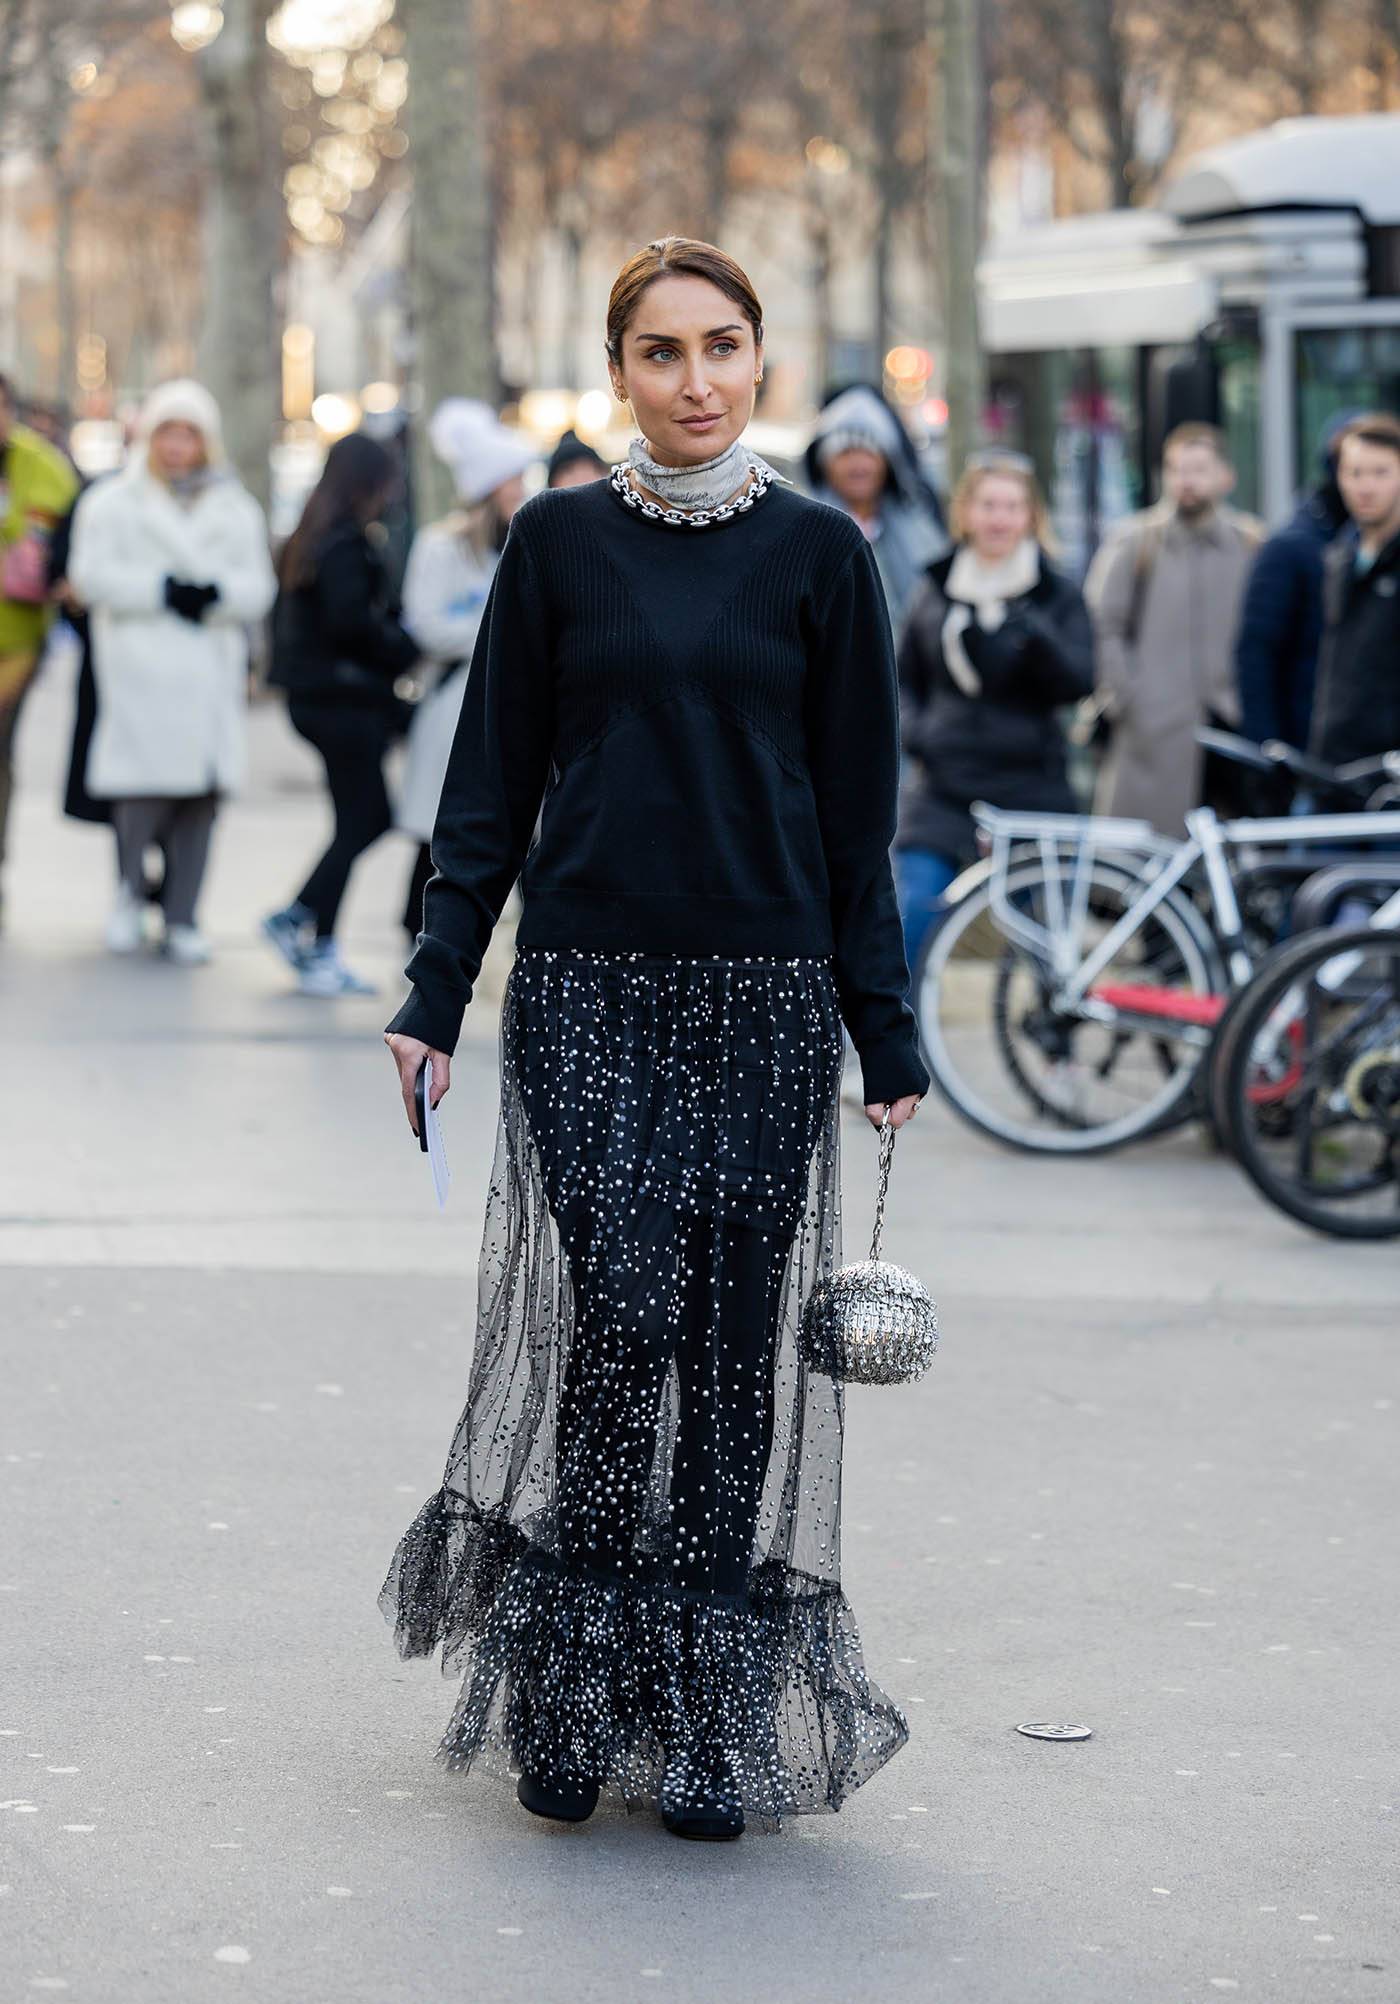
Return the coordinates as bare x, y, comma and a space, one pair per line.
451, 250
887, 55
1110, 59
719, 136
957, 152
239, 346
52, 129
571, 361
819, 238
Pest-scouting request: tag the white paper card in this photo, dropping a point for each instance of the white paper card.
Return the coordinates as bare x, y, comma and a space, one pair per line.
437, 1155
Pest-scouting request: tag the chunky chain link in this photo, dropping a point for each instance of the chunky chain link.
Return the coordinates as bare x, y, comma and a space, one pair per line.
694, 518
887, 1135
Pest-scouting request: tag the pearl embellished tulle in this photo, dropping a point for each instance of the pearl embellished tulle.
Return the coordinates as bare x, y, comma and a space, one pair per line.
635, 1550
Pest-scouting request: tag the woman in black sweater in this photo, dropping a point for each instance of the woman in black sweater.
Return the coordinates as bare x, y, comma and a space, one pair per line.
634, 1554
337, 650
996, 643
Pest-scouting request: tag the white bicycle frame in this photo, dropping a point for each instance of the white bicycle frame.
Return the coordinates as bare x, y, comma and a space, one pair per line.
1068, 845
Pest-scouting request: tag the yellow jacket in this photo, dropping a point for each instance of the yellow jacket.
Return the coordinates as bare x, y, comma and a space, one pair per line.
37, 486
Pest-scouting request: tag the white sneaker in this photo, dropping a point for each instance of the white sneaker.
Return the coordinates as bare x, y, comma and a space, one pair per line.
325, 974
126, 925
186, 945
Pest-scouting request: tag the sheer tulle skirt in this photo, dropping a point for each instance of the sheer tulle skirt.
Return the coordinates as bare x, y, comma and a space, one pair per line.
635, 1551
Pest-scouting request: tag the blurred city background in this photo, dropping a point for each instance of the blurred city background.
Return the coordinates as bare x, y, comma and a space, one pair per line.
253, 193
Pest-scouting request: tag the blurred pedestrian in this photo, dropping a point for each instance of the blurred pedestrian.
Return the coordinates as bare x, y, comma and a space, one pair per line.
1281, 620
78, 802
449, 574
862, 461
170, 558
37, 485
1357, 713
338, 648
1166, 591
997, 642
573, 462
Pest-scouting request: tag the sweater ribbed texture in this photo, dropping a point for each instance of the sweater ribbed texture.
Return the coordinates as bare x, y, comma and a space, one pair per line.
710, 719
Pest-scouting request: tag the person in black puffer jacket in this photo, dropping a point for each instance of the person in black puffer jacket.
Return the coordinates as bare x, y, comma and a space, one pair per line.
338, 648
997, 642
1281, 619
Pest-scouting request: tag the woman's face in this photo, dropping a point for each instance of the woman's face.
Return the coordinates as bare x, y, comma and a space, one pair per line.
688, 365
376, 505
858, 476
507, 497
177, 449
998, 515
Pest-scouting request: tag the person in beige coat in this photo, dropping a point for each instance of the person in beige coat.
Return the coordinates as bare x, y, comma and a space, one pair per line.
1165, 592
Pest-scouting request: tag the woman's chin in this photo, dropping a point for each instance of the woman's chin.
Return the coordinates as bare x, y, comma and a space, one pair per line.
683, 447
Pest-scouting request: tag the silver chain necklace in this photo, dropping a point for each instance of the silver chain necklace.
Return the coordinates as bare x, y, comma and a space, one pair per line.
695, 518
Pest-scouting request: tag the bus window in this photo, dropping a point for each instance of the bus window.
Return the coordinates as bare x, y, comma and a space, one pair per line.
1340, 369
1237, 365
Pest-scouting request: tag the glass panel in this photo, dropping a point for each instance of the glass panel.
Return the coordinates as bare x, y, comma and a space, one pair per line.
1340, 369
1237, 361
1079, 416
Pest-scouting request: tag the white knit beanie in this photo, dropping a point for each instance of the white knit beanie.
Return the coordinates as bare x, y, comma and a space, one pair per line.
479, 451
183, 401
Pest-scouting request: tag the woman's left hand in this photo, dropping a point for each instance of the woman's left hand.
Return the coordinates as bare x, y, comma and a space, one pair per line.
900, 1110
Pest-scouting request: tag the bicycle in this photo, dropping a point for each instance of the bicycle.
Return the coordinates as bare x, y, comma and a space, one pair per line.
1310, 1079
1067, 1003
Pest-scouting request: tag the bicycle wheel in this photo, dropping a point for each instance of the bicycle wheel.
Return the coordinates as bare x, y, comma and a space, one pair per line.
1322, 1023
1066, 1080
1266, 1090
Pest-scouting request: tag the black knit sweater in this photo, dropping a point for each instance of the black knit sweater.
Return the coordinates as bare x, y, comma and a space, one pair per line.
710, 717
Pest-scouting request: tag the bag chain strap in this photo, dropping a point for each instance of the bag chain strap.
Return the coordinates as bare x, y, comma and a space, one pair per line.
887, 1135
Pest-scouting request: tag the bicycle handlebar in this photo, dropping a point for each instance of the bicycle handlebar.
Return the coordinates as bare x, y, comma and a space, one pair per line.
1354, 779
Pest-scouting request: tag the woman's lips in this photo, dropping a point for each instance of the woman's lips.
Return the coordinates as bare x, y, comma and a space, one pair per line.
702, 423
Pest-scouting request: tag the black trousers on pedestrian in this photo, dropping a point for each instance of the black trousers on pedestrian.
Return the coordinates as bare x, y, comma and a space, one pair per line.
352, 743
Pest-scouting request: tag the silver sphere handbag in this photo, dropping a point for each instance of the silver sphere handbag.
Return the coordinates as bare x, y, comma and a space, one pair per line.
872, 1323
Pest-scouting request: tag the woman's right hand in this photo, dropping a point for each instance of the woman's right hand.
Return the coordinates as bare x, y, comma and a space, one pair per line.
408, 1056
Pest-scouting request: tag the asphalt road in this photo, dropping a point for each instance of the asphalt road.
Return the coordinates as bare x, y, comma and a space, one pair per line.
1149, 1484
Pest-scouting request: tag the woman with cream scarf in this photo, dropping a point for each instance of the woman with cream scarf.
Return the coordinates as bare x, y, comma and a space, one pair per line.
996, 643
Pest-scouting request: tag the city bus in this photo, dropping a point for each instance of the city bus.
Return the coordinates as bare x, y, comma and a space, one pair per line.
1262, 294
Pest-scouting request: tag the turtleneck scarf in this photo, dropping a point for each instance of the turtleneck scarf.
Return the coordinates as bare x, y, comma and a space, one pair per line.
980, 590
708, 485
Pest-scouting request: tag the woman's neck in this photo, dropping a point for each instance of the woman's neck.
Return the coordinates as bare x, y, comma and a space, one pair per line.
650, 494
708, 483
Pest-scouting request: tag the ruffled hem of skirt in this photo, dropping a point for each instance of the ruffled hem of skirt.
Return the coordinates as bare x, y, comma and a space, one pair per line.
571, 1674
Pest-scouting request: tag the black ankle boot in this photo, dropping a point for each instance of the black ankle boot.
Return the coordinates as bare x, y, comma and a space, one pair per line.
700, 1798
563, 1801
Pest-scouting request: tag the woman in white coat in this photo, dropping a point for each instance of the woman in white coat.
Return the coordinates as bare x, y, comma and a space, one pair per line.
171, 559
444, 595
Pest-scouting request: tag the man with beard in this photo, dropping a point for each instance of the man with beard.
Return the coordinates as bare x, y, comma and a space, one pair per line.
1357, 713
1165, 593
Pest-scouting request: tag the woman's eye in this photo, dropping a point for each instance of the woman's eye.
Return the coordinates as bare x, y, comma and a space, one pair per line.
661, 354
726, 347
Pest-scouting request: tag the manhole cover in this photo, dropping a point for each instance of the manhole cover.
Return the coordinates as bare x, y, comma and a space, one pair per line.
1041, 1732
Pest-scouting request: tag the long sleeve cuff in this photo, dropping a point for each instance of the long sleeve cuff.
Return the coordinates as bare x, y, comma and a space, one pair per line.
433, 1015
891, 1069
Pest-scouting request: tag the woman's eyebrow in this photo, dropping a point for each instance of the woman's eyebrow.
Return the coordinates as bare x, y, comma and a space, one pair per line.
732, 328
